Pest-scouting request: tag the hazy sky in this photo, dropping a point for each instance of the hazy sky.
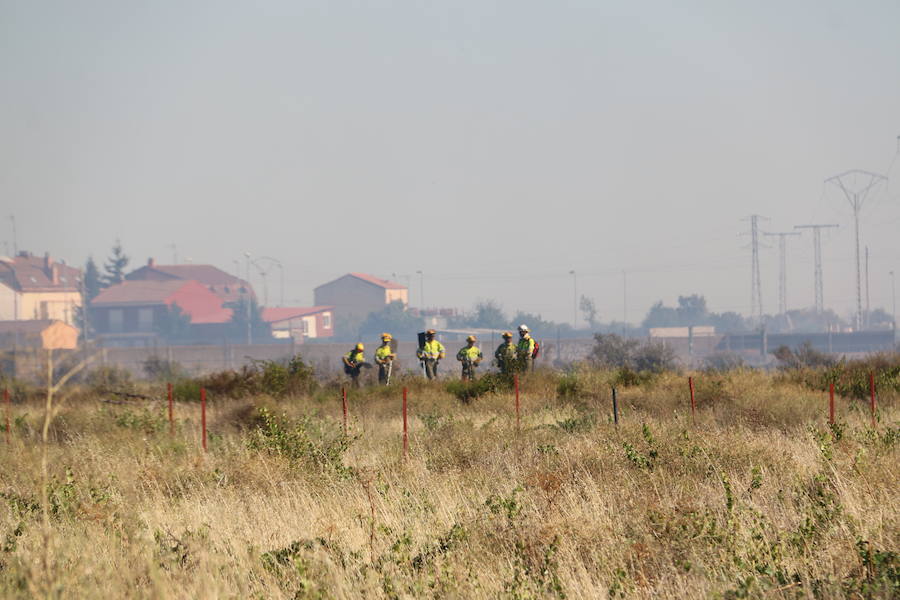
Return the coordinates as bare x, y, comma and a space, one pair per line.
493, 145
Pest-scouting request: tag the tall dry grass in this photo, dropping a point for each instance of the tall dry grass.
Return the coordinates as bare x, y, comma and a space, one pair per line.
757, 498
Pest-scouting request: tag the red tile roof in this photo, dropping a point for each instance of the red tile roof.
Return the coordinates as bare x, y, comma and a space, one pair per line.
138, 292
384, 283
274, 315
206, 274
28, 273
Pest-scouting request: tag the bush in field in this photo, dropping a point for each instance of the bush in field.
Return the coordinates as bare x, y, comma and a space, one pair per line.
850, 378
614, 351
723, 361
301, 442
466, 391
804, 356
108, 377
159, 369
274, 378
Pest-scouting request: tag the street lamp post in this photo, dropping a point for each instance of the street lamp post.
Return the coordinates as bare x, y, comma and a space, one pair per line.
421, 289
249, 325
894, 304
574, 299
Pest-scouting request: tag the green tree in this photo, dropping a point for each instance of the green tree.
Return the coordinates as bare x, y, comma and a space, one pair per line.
175, 324
589, 310
93, 283
660, 315
692, 310
260, 331
488, 314
115, 266
393, 318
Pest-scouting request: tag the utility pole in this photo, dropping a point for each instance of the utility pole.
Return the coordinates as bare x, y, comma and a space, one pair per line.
868, 311
249, 298
856, 185
624, 301
894, 304
15, 239
782, 268
574, 300
756, 308
421, 288
817, 251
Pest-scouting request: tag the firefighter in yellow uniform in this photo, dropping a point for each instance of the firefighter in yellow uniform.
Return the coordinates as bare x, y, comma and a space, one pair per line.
525, 349
506, 355
384, 358
431, 354
353, 362
470, 356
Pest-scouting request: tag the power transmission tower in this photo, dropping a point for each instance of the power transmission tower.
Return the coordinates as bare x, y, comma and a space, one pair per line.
782, 268
817, 250
856, 185
756, 308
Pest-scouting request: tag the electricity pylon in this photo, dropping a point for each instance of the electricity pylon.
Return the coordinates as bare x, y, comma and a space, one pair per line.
782, 268
817, 250
856, 185
756, 308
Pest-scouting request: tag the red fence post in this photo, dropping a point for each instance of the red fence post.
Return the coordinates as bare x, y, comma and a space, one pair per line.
516, 382
344, 402
8, 410
405, 434
693, 402
872, 393
171, 397
203, 415
831, 403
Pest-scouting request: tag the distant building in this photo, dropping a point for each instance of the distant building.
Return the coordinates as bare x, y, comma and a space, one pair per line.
33, 287
358, 294
131, 313
300, 323
44, 334
224, 285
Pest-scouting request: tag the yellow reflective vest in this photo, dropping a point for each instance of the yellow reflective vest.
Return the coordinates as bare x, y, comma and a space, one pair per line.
433, 350
469, 353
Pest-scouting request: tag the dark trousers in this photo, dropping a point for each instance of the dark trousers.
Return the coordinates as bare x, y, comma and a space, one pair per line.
384, 374
431, 368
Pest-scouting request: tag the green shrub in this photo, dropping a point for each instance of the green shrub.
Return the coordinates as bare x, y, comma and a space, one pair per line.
301, 442
466, 391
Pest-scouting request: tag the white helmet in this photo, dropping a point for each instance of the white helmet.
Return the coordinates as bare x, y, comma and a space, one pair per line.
523, 328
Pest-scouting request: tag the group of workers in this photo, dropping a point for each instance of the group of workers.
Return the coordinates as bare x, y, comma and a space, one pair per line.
509, 357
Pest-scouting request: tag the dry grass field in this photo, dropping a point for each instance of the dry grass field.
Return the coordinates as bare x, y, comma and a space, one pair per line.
758, 498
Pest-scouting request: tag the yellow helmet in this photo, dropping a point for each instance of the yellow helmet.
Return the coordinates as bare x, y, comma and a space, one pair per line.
471, 338
507, 334
430, 332
386, 336
359, 346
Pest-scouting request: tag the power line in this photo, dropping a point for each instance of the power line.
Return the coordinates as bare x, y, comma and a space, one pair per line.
817, 251
782, 268
756, 308
856, 194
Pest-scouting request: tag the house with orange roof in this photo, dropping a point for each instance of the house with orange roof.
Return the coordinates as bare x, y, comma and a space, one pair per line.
224, 285
301, 323
358, 294
132, 313
38, 288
